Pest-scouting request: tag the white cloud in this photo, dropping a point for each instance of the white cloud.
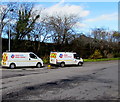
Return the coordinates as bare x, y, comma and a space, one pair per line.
37, 8
105, 17
58, 0
80, 25
62, 9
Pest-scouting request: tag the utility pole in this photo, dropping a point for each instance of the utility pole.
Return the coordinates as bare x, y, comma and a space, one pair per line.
9, 33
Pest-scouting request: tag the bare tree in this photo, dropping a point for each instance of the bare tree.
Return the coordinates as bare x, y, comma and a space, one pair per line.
41, 31
99, 33
3, 14
61, 27
116, 36
7, 14
39, 34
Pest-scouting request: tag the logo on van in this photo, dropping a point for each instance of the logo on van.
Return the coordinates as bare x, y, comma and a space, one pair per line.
12, 56
67, 56
17, 56
61, 55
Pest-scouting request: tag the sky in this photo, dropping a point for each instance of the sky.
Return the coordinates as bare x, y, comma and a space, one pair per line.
93, 14
59, 0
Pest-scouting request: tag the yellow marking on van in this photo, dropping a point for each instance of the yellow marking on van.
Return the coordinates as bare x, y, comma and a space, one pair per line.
64, 60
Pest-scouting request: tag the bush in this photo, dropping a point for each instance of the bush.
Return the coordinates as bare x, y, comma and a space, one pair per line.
45, 59
96, 55
110, 55
117, 55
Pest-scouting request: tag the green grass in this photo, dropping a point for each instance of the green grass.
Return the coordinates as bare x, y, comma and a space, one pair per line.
102, 59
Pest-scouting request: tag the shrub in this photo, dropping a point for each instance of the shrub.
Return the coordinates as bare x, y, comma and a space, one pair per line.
117, 55
45, 59
110, 55
96, 55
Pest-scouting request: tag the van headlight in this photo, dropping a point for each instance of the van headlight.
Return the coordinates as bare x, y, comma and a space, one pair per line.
81, 59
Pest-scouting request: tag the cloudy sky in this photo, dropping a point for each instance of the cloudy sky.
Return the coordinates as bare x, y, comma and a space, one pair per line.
93, 14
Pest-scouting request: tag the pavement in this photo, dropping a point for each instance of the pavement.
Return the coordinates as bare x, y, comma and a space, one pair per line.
92, 81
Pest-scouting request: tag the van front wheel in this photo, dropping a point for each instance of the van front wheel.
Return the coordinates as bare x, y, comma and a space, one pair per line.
39, 65
80, 64
12, 66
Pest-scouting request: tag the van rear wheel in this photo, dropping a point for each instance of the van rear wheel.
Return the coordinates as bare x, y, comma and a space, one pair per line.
12, 66
39, 65
62, 64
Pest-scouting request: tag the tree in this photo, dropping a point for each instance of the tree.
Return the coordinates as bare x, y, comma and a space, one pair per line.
4, 10
39, 34
116, 36
7, 14
62, 27
25, 23
99, 33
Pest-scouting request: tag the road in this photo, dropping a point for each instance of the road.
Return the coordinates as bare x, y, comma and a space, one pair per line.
92, 81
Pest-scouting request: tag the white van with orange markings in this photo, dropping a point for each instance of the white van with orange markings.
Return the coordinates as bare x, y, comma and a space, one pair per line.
21, 59
65, 58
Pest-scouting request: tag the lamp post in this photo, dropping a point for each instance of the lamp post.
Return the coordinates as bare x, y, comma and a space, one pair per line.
9, 33
9, 39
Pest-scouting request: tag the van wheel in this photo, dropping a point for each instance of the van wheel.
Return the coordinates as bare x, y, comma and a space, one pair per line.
12, 66
62, 64
39, 65
80, 64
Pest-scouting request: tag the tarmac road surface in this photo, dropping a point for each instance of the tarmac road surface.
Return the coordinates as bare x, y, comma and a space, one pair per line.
92, 81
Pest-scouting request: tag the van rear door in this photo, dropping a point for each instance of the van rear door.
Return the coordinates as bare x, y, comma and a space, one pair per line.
53, 57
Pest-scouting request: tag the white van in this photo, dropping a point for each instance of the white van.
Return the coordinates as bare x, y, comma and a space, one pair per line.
21, 59
65, 58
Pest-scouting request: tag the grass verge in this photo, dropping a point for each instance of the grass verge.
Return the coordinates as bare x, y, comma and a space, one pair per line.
102, 59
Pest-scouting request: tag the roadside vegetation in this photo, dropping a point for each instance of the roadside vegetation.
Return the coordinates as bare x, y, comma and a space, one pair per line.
46, 60
32, 31
102, 59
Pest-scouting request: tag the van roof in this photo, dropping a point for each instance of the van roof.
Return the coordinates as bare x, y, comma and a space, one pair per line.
17, 52
63, 52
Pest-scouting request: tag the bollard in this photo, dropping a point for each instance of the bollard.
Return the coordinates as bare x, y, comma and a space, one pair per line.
49, 66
